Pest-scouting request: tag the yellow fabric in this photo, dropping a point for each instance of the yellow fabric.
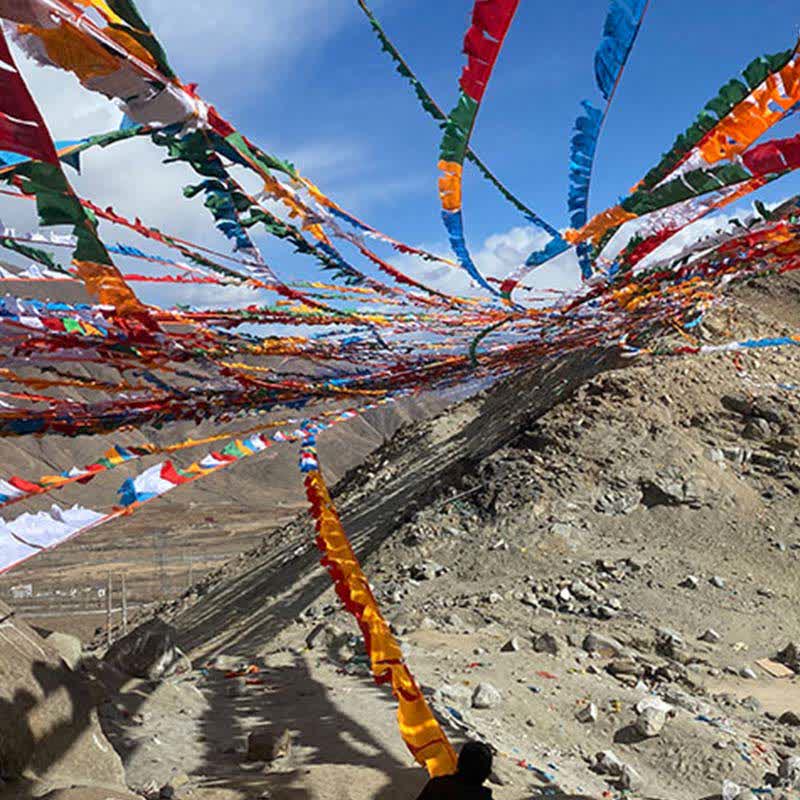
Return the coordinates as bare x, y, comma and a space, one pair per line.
74, 51
598, 226
131, 46
450, 185
419, 728
105, 283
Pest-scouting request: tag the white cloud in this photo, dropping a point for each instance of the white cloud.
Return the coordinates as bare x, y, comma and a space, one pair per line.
498, 256
251, 34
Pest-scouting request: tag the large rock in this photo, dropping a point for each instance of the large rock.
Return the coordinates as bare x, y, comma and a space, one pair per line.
486, 696
651, 721
68, 647
789, 772
49, 728
790, 656
266, 745
149, 652
604, 646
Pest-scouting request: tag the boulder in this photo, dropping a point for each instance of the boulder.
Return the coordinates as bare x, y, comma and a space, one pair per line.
149, 652
604, 646
486, 696
607, 763
68, 647
266, 745
546, 643
790, 718
790, 656
789, 772
651, 721
49, 727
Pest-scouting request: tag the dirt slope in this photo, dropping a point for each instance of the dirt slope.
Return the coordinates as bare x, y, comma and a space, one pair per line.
653, 507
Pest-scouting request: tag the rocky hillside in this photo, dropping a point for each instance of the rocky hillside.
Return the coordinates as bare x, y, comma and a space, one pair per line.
593, 567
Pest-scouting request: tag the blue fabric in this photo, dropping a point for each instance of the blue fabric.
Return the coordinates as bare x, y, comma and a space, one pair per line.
554, 248
127, 494
585, 260
582, 153
781, 342
619, 34
454, 223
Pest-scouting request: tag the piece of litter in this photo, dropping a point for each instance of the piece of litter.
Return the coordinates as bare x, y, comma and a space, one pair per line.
774, 669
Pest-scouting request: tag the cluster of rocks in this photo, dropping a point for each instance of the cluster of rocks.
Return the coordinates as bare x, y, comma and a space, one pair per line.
587, 595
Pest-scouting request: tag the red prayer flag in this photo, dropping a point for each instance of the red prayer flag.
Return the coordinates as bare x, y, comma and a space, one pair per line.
22, 128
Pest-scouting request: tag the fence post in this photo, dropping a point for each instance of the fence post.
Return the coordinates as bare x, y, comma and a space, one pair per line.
109, 607
124, 589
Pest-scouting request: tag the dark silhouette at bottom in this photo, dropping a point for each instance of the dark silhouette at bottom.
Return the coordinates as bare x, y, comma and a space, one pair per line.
474, 769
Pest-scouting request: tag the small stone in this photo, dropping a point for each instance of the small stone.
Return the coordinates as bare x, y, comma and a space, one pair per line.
581, 591
486, 696
511, 646
607, 763
690, 582
651, 721
546, 643
494, 598
717, 582
606, 612
587, 715
317, 637
752, 704
630, 780
710, 636
748, 674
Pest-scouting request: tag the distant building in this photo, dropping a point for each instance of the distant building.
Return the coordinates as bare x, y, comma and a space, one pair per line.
22, 592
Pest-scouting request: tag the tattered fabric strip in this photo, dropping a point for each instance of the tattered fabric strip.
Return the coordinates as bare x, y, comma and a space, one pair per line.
491, 20
434, 110
419, 728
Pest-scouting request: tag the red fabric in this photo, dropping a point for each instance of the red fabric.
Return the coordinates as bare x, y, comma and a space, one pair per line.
474, 79
775, 156
22, 128
764, 159
649, 245
169, 473
791, 152
23, 485
476, 45
494, 16
220, 125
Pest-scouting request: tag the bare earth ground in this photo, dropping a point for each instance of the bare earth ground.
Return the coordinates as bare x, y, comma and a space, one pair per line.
574, 500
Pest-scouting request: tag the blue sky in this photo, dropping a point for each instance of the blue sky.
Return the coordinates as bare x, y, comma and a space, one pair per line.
307, 80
